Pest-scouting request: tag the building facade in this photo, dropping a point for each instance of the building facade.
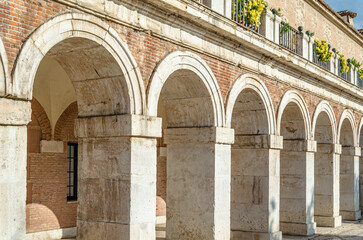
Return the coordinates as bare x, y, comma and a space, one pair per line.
120, 116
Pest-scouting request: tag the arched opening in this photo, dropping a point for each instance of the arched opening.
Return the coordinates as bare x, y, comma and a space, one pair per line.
296, 170
75, 57
349, 170
74, 69
191, 161
326, 165
254, 200
185, 103
360, 139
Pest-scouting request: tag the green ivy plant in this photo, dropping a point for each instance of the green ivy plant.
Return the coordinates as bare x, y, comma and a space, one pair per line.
355, 63
285, 28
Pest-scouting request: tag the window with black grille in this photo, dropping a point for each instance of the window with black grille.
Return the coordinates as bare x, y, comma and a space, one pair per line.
72, 161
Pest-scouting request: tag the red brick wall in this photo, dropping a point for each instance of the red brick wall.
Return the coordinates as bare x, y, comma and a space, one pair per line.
47, 206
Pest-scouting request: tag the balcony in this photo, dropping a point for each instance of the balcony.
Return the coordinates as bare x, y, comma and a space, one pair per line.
271, 27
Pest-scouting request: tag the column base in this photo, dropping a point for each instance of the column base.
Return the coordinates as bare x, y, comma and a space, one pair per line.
242, 235
325, 221
301, 229
351, 215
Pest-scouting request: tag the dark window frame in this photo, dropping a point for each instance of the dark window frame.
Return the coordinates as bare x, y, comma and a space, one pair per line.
73, 195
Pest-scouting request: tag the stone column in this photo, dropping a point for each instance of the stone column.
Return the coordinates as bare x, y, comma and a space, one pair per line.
352, 76
361, 182
305, 46
276, 27
349, 183
297, 187
198, 183
326, 205
267, 24
332, 65
14, 117
335, 58
117, 177
255, 198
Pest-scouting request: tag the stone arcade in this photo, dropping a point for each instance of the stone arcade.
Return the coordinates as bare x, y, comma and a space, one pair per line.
146, 112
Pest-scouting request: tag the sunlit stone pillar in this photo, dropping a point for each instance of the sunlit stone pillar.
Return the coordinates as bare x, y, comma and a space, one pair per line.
198, 183
117, 177
255, 198
14, 116
297, 187
349, 183
326, 207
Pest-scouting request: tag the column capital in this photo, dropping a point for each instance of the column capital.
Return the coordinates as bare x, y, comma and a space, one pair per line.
14, 112
351, 151
300, 145
118, 126
258, 141
199, 135
329, 148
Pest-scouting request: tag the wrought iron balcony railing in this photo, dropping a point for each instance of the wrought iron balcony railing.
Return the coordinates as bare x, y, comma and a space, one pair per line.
290, 38
239, 14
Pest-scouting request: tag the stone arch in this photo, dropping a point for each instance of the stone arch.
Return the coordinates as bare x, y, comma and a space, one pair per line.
296, 165
325, 107
249, 111
351, 140
292, 96
359, 132
326, 178
179, 61
66, 121
67, 29
349, 166
42, 118
4, 71
249, 81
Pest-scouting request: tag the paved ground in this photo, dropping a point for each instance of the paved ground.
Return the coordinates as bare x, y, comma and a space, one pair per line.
349, 231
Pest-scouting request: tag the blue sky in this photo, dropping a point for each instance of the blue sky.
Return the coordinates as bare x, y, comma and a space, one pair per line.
351, 5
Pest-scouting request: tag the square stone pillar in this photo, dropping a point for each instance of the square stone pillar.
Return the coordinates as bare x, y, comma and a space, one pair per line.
14, 116
361, 182
276, 29
311, 42
352, 75
255, 197
297, 187
326, 205
218, 6
349, 183
335, 62
117, 177
198, 183
267, 24
306, 46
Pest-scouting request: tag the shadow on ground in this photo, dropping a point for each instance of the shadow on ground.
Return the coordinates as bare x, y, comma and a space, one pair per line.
348, 231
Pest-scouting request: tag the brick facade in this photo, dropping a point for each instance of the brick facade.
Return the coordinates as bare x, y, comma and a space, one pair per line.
47, 205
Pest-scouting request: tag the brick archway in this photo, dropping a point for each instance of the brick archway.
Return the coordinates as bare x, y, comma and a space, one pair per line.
65, 123
42, 117
67, 29
187, 61
249, 81
4, 71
